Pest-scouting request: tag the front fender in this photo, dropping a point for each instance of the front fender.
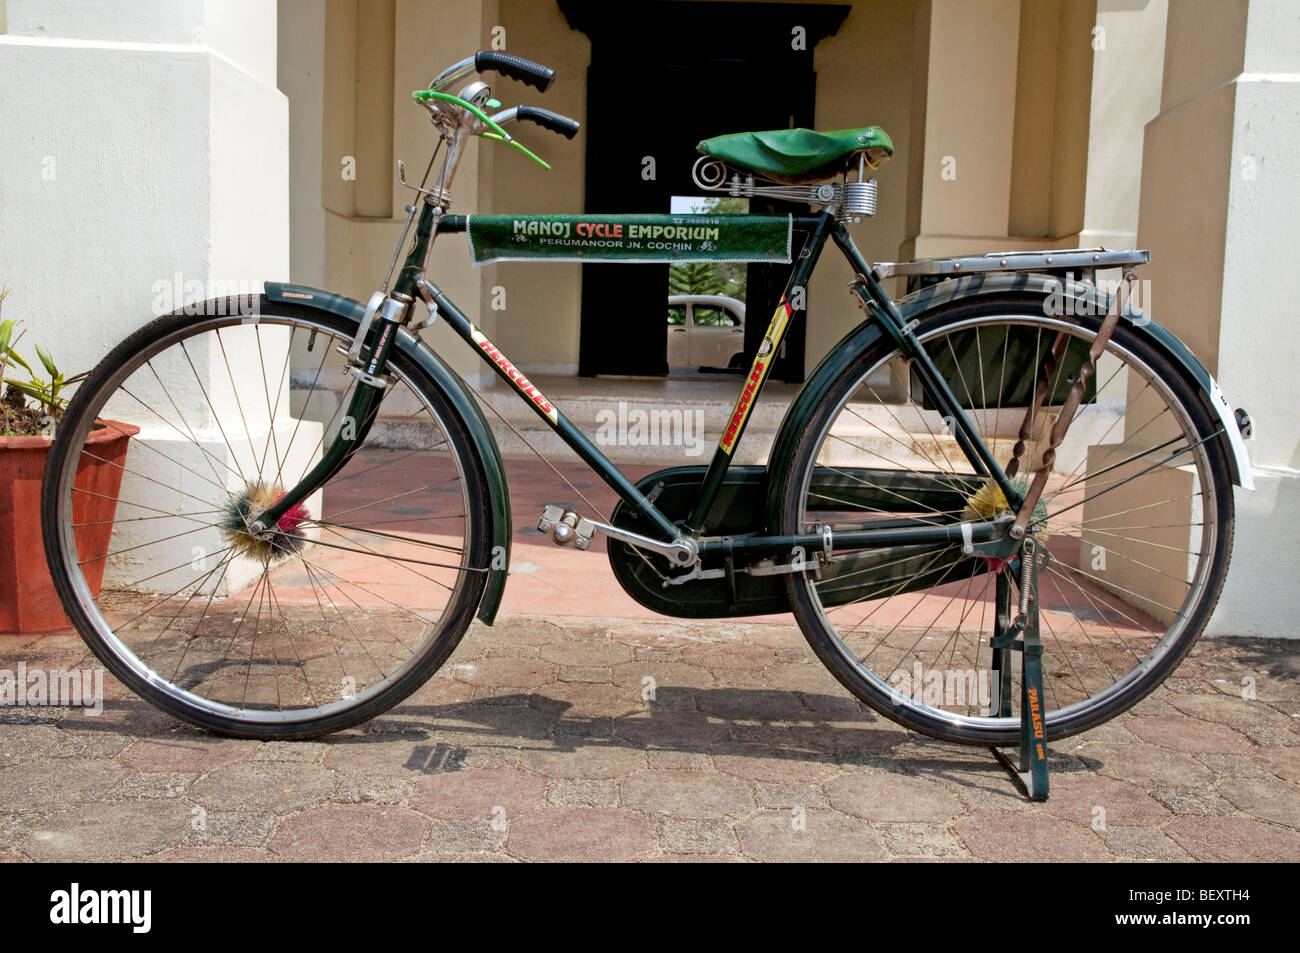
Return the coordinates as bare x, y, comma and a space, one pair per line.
1076, 298
460, 397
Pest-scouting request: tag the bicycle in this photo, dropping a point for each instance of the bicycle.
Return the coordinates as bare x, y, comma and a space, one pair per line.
967, 449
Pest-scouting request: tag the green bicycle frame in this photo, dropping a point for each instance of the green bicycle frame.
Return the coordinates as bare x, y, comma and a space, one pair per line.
411, 284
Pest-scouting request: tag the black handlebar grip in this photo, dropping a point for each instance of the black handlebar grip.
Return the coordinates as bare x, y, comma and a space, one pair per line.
565, 126
516, 67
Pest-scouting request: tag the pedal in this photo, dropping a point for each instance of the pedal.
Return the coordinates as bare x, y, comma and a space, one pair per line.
566, 527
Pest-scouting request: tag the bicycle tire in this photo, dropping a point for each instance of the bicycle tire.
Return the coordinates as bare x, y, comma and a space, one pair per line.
874, 690
86, 612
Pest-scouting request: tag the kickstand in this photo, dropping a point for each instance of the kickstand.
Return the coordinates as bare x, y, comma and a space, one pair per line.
1022, 636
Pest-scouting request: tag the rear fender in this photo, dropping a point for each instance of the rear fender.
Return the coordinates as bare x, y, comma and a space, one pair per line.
1076, 298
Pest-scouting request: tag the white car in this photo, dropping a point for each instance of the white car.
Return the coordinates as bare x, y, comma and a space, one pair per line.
705, 331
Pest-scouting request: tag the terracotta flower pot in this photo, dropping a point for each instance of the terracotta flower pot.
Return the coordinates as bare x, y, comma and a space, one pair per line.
28, 602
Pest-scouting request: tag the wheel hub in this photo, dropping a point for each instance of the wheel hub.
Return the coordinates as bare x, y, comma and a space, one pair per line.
247, 538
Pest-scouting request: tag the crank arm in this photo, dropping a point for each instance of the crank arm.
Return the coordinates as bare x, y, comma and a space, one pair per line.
680, 552
566, 526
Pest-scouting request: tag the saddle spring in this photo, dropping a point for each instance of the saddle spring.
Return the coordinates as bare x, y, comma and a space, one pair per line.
846, 200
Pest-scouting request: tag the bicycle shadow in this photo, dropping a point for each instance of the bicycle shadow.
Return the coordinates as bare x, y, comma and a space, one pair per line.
828, 730
825, 730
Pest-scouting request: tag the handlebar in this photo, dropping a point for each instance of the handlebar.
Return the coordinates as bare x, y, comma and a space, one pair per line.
456, 115
563, 125
516, 67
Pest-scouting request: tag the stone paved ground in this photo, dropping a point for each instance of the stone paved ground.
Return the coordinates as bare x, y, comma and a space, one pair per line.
534, 743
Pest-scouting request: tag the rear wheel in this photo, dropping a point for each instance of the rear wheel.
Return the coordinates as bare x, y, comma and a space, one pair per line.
1137, 518
360, 594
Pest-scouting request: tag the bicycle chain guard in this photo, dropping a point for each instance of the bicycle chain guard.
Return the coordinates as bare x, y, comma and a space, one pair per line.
723, 589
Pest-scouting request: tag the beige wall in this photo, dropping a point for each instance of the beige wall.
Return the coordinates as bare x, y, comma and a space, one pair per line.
371, 55
1037, 109
539, 326
970, 88
1126, 80
359, 38
300, 65
864, 77
1042, 131
1053, 93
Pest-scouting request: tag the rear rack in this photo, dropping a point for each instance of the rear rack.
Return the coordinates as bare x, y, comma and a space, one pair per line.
1052, 261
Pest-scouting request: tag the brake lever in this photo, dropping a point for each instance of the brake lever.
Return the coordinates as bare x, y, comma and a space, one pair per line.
453, 73
425, 96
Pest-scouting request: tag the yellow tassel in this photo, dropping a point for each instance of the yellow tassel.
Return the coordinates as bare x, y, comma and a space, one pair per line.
985, 503
989, 500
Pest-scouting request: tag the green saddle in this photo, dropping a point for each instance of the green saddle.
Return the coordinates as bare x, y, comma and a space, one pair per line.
799, 155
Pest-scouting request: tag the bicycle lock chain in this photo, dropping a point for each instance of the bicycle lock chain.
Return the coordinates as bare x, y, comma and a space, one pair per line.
1072, 400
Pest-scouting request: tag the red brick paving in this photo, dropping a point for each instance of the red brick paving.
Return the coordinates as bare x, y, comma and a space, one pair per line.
538, 741
747, 752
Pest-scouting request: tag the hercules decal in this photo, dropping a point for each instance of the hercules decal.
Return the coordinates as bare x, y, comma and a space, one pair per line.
522, 384
757, 374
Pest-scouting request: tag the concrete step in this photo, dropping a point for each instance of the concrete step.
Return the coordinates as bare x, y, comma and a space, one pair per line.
686, 432
630, 428
679, 423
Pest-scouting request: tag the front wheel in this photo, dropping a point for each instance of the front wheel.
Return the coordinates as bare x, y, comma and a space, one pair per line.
1137, 518
358, 595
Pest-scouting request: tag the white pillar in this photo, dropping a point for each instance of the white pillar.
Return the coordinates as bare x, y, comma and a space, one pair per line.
153, 143
1218, 211
959, 170
1128, 56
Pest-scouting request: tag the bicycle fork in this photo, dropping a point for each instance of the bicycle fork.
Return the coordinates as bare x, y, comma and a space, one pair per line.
380, 324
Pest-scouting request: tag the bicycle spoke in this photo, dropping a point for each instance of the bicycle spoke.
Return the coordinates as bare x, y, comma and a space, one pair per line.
258, 466
212, 410
256, 633
396, 537
933, 607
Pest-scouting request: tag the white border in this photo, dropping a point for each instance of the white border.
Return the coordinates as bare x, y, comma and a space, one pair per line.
788, 259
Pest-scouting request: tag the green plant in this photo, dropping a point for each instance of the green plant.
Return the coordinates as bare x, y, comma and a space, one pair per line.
694, 278
717, 277
16, 417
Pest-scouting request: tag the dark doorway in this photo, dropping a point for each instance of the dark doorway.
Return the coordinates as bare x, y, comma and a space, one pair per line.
659, 82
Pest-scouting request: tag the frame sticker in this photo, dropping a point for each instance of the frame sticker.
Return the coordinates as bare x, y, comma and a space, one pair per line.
757, 374
632, 238
522, 384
